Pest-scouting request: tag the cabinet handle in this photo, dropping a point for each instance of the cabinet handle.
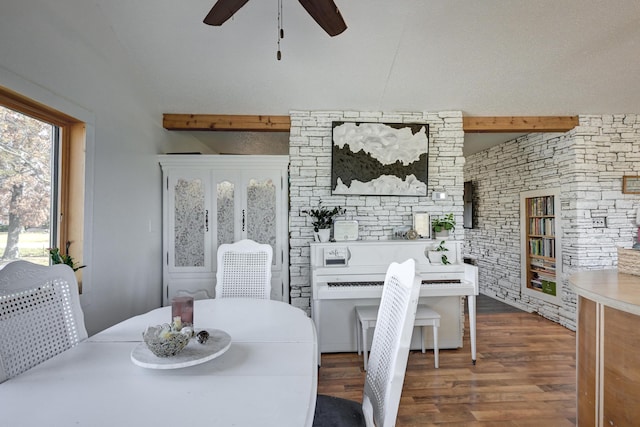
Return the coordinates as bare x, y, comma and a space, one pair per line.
242, 219
206, 219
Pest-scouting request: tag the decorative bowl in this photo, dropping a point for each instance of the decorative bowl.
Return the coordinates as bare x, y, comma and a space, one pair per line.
163, 341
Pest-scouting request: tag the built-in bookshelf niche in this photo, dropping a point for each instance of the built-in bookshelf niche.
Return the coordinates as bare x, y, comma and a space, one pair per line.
541, 244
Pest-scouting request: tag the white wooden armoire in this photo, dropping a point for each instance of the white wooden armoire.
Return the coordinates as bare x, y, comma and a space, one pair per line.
209, 200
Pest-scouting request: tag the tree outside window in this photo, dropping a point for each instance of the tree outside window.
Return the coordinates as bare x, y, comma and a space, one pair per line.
26, 148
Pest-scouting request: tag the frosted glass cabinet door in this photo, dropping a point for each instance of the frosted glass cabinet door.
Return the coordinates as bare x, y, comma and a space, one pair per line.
261, 211
225, 212
263, 219
251, 204
189, 222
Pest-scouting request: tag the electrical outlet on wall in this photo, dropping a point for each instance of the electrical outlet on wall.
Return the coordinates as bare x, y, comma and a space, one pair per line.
599, 222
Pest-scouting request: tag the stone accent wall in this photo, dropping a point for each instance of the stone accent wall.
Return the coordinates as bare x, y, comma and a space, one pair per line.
310, 174
587, 163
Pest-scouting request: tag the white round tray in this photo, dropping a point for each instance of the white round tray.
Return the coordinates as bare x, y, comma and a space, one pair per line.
193, 354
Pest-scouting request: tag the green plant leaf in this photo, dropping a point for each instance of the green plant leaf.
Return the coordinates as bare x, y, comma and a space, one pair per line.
58, 258
323, 217
446, 222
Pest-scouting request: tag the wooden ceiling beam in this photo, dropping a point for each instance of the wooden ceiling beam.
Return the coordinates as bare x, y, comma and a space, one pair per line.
502, 124
221, 122
255, 123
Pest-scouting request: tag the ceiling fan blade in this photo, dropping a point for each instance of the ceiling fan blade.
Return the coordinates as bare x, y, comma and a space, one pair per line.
326, 14
223, 10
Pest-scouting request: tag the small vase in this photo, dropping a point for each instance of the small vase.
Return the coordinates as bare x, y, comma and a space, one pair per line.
442, 234
323, 235
435, 257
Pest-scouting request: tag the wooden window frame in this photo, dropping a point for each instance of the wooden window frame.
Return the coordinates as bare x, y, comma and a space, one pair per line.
71, 169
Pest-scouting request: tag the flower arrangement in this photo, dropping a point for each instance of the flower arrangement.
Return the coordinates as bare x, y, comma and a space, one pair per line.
323, 217
58, 258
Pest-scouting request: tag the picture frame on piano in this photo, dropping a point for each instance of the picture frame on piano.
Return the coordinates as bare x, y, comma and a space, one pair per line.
344, 230
422, 224
379, 158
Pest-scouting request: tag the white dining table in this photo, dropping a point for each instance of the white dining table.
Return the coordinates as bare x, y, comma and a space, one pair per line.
267, 377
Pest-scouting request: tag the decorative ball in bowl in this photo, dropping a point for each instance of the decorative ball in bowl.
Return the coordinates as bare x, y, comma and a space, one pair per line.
165, 341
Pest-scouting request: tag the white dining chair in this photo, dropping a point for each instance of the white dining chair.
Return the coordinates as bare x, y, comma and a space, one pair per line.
244, 270
40, 315
387, 360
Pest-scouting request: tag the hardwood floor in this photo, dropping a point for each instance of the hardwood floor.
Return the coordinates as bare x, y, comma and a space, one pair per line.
525, 375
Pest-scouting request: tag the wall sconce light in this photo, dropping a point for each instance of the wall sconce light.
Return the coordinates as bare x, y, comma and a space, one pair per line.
438, 195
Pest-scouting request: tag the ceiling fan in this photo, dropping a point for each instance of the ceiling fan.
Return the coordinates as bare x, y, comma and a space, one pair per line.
324, 12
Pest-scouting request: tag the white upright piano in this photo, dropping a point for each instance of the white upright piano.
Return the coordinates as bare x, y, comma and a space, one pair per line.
350, 273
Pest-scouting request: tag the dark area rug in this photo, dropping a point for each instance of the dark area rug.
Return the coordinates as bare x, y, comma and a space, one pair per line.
487, 304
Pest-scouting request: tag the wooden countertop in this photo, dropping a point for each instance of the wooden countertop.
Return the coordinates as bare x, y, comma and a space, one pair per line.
610, 288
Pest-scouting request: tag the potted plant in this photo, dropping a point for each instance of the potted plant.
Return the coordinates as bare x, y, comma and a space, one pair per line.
58, 258
323, 220
442, 226
438, 255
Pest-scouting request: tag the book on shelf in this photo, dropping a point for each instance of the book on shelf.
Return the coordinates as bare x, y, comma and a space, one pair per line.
542, 247
546, 286
549, 287
543, 263
542, 226
536, 284
541, 206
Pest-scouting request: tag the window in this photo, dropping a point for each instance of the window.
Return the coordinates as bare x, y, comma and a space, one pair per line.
58, 140
27, 149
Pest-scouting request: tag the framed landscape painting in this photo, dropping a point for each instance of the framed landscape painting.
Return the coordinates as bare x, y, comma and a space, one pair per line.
380, 158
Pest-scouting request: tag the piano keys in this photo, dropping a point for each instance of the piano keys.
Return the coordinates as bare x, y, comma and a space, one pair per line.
354, 276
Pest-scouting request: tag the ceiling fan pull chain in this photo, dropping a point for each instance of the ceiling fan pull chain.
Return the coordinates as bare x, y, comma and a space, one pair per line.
281, 19
280, 29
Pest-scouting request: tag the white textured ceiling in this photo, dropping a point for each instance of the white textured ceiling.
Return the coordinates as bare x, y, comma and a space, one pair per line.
543, 57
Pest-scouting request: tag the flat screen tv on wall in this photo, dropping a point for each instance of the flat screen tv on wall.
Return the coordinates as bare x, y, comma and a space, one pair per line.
467, 214
380, 158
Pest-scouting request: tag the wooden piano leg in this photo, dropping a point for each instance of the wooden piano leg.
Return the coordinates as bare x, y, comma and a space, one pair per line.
471, 300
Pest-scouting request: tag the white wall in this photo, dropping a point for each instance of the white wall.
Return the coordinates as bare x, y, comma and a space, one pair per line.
310, 181
77, 66
587, 164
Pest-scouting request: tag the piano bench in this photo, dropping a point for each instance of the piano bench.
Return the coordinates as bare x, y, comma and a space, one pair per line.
366, 317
